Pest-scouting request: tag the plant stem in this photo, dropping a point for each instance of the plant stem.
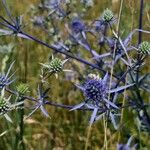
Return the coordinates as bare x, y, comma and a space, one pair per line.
105, 132
88, 136
141, 20
122, 114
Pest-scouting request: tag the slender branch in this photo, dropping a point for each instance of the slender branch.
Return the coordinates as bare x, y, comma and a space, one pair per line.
141, 21
66, 53
48, 102
13, 28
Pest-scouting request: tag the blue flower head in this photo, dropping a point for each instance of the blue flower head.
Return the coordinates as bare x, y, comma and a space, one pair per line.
95, 89
77, 25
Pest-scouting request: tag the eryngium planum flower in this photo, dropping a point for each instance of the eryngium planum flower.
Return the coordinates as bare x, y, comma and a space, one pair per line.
96, 91
6, 106
144, 47
55, 66
107, 15
77, 25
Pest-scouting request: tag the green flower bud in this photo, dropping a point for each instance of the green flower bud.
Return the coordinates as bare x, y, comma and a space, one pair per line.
22, 88
56, 65
107, 15
144, 47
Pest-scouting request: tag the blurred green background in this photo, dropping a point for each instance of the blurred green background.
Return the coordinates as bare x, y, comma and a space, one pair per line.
65, 130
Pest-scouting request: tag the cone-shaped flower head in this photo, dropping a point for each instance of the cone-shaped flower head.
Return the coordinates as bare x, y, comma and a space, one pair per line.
22, 88
107, 15
144, 47
77, 25
6, 106
95, 89
56, 65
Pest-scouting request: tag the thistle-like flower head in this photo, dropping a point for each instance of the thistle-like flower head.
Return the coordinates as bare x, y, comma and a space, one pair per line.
95, 89
55, 66
77, 25
144, 47
6, 106
22, 89
107, 15
107, 18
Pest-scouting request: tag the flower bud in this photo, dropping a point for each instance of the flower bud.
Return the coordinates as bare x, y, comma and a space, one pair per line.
144, 47
56, 65
107, 15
